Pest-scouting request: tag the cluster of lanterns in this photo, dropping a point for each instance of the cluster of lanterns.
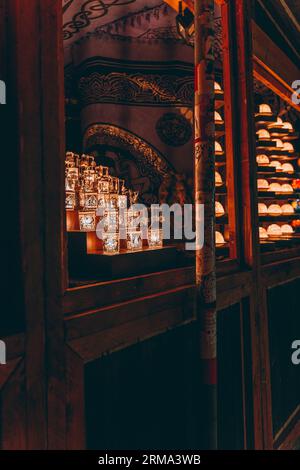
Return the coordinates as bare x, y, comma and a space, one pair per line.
277, 183
220, 183
97, 202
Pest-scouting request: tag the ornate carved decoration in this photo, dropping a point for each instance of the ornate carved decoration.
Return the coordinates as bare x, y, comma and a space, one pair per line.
143, 167
163, 32
100, 134
136, 88
90, 10
174, 129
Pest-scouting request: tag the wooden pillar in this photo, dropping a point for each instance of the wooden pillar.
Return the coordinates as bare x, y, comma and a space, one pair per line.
55, 267
23, 115
247, 151
205, 195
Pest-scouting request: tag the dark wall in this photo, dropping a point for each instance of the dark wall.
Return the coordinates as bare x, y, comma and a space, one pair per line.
284, 328
11, 317
147, 396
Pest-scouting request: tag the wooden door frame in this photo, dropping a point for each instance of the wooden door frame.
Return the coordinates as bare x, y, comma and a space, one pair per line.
36, 100
24, 102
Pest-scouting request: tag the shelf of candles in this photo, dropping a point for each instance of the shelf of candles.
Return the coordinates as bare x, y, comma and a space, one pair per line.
86, 259
278, 181
97, 202
221, 220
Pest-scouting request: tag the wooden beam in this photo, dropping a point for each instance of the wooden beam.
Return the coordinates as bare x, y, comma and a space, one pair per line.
98, 295
288, 435
53, 149
129, 312
272, 67
104, 342
243, 11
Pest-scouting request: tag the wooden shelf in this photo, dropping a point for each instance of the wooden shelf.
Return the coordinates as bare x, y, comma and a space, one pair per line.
280, 155
222, 220
278, 196
283, 241
265, 169
220, 163
219, 133
289, 137
266, 144
278, 218
278, 175
221, 190
279, 133
219, 102
264, 120
90, 264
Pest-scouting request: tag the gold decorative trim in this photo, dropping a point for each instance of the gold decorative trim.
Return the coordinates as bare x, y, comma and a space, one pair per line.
101, 134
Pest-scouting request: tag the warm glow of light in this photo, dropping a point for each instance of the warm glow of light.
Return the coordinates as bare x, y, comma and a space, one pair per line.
288, 125
263, 233
217, 86
286, 188
276, 164
277, 123
279, 143
89, 187
287, 168
274, 209
262, 208
263, 134
286, 229
262, 160
265, 109
219, 238
218, 117
219, 209
218, 179
275, 187
218, 147
287, 209
175, 4
287, 146
262, 184
274, 230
